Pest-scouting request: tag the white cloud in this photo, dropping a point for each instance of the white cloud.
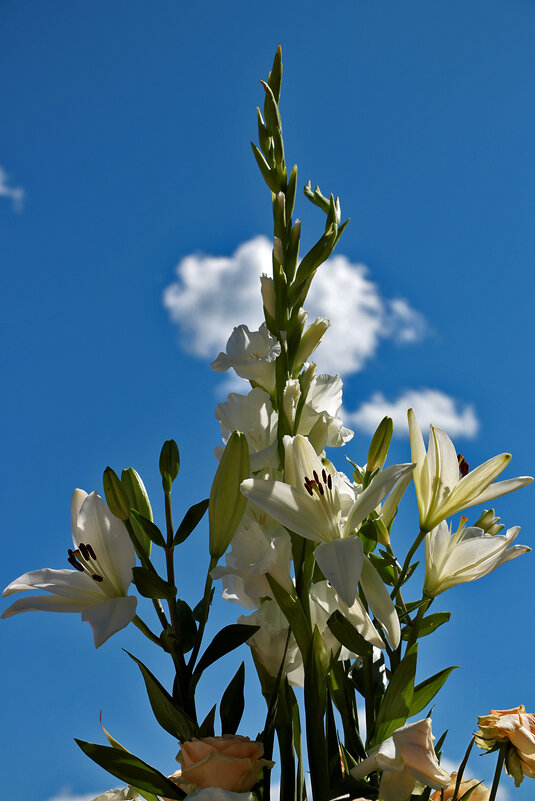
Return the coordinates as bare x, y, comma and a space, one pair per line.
212, 294
15, 193
66, 795
430, 406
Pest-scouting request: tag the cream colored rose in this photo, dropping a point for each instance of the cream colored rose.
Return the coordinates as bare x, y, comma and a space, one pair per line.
230, 762
481, 793
513, 726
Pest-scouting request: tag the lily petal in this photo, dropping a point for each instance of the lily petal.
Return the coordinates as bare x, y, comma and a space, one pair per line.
340, 561
379, 601
108, 617
44, 603
291, 506
67, 583
372, 496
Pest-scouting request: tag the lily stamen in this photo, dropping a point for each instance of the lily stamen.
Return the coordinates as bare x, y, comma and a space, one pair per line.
81, 558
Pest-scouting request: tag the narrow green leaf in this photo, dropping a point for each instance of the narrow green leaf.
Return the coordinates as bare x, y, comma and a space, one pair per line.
275, 76
226, 640
149, 528
166, 712
187, 628
191, 520
116, 744
197, 609
207, 727
347, 635
426, 690
151, 585
269, 177
233, 703
396, 704
131, 769
293, 612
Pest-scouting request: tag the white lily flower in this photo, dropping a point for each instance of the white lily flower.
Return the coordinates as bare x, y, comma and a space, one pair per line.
323, 602
269, 642
467, 555
405, 758
313, 504
255, 552
120, 794
440, 489
103, 558
320, 410
252, 354
253, 414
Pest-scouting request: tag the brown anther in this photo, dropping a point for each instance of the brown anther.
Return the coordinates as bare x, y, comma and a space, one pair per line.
96, 577
91, 551
320, 488
84, 551
72, 560
329, 481
316, 477
308, 488
324, 475
463, 465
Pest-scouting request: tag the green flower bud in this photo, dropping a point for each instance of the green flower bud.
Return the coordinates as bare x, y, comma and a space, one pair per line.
380, 444
116, 497
136, 492
169, 464
227, 504
489, 522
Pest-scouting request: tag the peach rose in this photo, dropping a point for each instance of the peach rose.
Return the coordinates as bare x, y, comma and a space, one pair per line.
229, 762
516, 728
481, 793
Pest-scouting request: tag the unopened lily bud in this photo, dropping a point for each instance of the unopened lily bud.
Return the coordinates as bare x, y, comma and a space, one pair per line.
278, 251
169, 464
116, 497
311, 339
489, 522
380, 444
227, 504
267, 289
136, 492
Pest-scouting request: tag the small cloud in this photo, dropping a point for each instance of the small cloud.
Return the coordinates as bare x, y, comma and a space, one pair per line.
212, 294
430, 406
15, 193
66, 795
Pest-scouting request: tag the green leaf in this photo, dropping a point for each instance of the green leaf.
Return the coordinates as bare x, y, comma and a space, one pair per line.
187, 628
207, 727
191, 520
233, 703
347, 635
131, 769
385, 570
428, 625
149, 528
198, 608
116, 744
151, 585
167, 713
226, 640
293, 611
396, 704
275, 76
426, 690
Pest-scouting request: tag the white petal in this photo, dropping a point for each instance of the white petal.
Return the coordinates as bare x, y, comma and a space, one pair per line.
340, 561
502, 488
67, 583
419, 457
372, 496
77, 499
291, 506
396, 786
109, 539
108, 617
44, 603
448, 462
476, 482
379, 601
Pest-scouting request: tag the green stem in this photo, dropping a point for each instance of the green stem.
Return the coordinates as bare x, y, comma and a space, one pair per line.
146, 562
142, 626
177, 655
407, 563
498, 772
204, 615
417, 622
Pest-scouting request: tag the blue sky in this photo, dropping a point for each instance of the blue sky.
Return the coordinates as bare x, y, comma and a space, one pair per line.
124, 151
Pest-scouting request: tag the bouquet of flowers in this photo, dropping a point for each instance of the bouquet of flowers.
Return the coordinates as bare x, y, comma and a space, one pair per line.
308, 553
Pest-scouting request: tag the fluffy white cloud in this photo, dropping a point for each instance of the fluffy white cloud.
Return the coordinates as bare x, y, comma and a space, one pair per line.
212, 294
14, 193
430, 405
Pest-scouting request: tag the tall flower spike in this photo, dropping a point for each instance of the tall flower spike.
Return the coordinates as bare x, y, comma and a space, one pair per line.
441, 491
312, 505
103, 558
